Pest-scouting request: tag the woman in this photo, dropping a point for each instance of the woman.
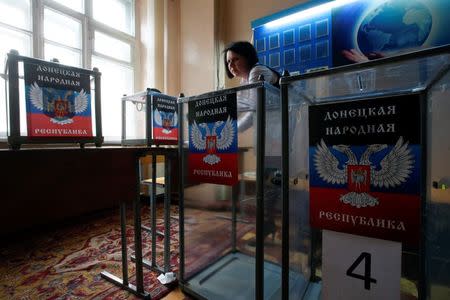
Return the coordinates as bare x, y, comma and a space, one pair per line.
241, 61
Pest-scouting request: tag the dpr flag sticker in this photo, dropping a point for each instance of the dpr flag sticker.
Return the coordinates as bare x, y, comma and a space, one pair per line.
213, 156
58, 101
365, 167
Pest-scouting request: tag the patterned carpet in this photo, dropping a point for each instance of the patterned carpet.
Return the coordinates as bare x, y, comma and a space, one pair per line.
208, 238
66, 263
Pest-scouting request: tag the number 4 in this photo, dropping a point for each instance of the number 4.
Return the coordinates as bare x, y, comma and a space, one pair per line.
367, 267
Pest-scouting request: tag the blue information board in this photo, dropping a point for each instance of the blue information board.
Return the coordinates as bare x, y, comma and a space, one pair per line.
325, 34
297, 46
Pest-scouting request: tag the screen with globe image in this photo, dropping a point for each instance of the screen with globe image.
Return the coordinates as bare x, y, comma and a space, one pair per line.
365, 30
342, 32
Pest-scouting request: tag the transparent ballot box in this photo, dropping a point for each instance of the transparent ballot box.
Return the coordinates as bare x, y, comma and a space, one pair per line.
149, 118
369, 149
51, 103
230, 195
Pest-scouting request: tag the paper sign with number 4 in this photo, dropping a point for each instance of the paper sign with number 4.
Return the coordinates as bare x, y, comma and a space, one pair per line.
356, 267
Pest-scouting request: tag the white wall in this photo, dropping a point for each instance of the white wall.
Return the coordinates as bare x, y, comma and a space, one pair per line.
189, 37
197, 68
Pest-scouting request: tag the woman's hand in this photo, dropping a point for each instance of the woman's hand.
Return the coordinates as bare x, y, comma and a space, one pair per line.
356, 56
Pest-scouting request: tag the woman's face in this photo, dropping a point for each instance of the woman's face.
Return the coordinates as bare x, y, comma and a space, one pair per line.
237, 64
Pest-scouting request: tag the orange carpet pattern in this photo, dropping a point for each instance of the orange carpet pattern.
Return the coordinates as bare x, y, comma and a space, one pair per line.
66, 263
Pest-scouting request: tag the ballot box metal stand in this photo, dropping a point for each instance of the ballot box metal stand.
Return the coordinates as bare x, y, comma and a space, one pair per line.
228, 269
153, 183
425, 75
124, 282
141, 106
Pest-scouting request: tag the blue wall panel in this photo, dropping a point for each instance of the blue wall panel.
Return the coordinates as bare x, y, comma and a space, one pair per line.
298, 46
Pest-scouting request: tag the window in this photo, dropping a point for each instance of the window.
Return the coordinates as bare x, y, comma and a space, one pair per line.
122, 10
62, 38
15, 33
117, 76
112, 47
79, 33
16, 13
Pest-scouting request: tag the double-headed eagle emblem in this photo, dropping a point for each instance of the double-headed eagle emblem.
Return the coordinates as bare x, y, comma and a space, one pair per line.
167, 120
59, 109
393, 170
219, 137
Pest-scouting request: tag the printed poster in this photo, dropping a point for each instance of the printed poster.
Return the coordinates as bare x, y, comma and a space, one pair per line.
213, 156
365, 167
165, 120
58, 101
365, 30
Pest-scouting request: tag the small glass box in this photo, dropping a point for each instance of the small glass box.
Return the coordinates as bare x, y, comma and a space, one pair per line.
149, 118
51, 103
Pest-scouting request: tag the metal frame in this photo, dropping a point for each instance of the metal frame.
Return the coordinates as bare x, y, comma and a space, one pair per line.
152, 264
260, 162
284, 83
137, 289
181, 184
260, 155
15, 139
364, 65
124, 99
285, 168
422, 286
123, 282
285, 191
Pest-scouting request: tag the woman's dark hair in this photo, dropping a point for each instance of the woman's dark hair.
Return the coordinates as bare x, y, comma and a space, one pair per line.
244, 49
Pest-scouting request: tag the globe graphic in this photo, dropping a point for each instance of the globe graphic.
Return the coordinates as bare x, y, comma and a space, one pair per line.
393, 26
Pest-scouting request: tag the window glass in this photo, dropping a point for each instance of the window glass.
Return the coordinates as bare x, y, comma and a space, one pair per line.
118, 14
65, 56
11, 39
72, 4
3, 106
116, 81
16, 13
22, 104
112, 47
62, 29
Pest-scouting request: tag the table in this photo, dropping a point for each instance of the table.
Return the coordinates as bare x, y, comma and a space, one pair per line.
42, 187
